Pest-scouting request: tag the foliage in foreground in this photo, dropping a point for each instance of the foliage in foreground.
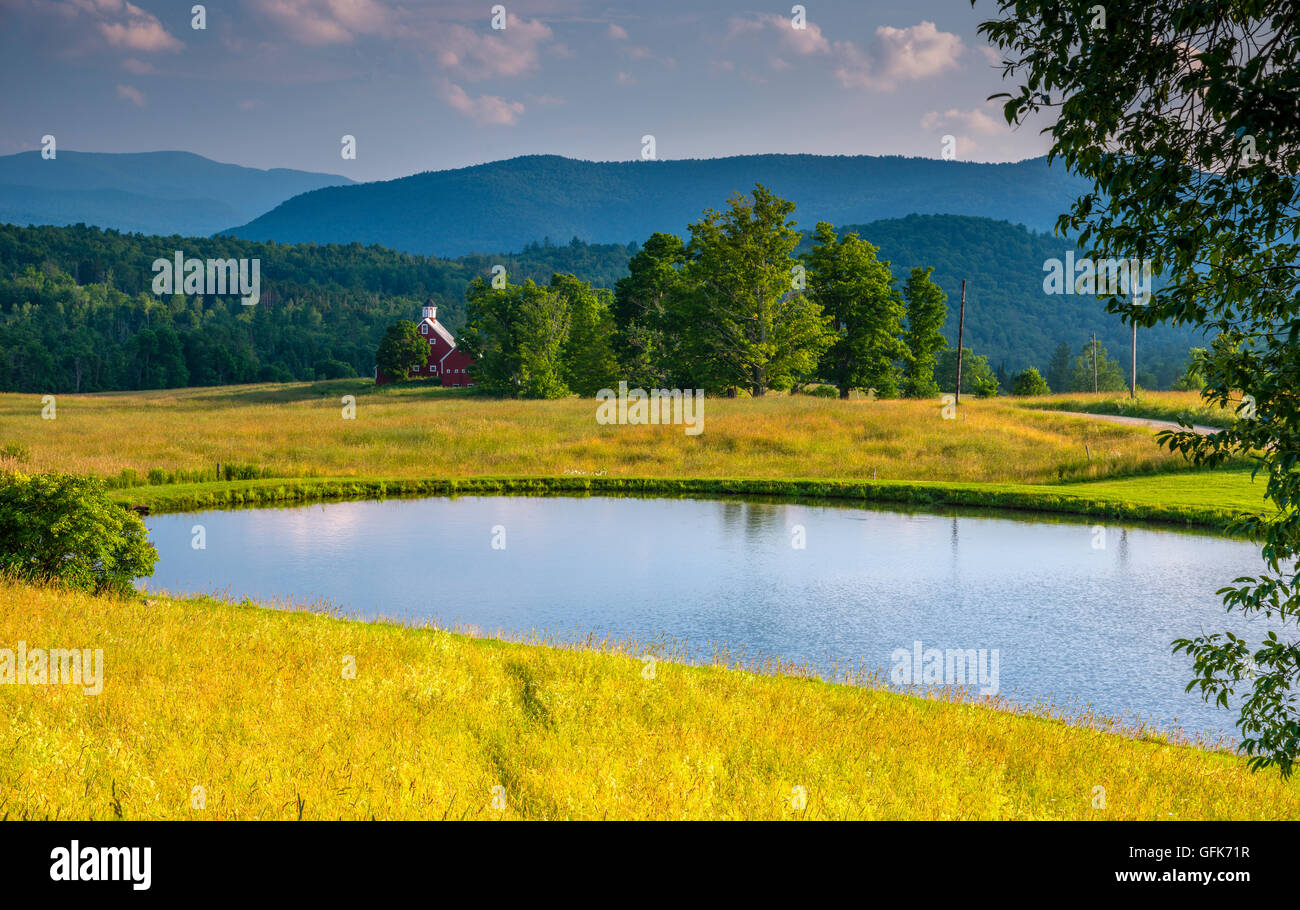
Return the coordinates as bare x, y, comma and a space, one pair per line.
65, 528
1183, 119
213, 710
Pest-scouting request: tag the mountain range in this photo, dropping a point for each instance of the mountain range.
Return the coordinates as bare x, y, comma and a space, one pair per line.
147, 192
506, 204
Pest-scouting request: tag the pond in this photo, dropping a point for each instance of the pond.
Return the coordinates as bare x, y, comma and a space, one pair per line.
1064, 612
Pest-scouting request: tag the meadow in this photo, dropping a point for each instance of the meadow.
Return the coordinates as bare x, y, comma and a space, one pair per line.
217, 710
418, 431
252, 705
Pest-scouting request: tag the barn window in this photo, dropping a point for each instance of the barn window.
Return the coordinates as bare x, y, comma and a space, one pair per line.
424, 330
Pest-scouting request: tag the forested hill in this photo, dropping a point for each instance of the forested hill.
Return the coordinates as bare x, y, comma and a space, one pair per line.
77, 312
1008, 317
505, 204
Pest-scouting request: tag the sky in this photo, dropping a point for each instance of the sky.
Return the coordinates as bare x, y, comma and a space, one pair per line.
433, 85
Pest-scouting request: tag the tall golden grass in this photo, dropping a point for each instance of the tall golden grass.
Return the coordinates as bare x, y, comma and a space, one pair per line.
299, 431
213, 710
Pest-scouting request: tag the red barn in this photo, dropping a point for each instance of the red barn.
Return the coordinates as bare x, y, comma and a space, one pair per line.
445, 360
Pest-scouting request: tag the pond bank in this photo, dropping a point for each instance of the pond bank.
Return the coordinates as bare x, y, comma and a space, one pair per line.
1146, 498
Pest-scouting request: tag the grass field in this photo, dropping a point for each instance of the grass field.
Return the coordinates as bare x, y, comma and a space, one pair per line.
1171, 406
253, 706
405, 436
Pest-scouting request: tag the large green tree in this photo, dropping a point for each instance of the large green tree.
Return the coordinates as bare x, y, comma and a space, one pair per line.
589, 364
647, 339
517, 336
856, 290
1184, 118
746, 326
926, 313
401, 348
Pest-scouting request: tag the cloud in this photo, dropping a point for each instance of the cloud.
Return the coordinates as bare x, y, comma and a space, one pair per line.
119, 22
617, 32
804, 42
321, 22
139, 35
626, 79
897, 55
511, 51
132, 94
139, 67
975, 121
488, 110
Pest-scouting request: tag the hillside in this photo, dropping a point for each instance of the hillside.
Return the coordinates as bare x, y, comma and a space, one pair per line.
77, 312
150, 192
505, 204
1008, 316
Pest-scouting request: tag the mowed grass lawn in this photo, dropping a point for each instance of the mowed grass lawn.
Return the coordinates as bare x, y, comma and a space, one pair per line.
253, 706
421, 431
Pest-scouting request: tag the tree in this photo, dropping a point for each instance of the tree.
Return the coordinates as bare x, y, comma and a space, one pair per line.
543, 328
977, 376
747, 327
1029, 382
517, 337
588, 358
401, 349
1193, 377
1182, 118
64, 528
1059, 368
856, 290
1109, 374
926, 314
646, 339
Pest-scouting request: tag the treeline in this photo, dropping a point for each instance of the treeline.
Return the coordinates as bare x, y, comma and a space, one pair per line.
745, 306
731, 311
78, 314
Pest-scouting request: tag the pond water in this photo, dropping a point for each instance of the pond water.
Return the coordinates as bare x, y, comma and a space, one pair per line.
1076, 615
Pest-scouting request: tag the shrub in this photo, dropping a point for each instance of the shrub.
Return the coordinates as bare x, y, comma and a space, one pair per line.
1029, 382
824, 391
64, 528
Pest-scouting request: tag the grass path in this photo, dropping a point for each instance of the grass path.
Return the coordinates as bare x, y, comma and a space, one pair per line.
253, 706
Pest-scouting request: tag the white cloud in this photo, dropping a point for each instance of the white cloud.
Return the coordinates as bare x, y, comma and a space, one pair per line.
975, 121
489, 110
139, 67
804, 42
626, 79
511, 51
617, 32
132, 94
321, 22
897, 55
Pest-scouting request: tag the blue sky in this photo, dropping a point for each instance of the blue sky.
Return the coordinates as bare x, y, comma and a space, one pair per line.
427, 86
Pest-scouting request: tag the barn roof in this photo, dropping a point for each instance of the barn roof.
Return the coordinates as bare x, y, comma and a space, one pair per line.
442, 332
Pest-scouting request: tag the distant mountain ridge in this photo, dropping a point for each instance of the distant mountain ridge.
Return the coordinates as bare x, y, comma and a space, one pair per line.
159, 193
506, 204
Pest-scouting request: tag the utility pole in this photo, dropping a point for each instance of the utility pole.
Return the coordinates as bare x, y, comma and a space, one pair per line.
1133, 387
1094, 363
961, 327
